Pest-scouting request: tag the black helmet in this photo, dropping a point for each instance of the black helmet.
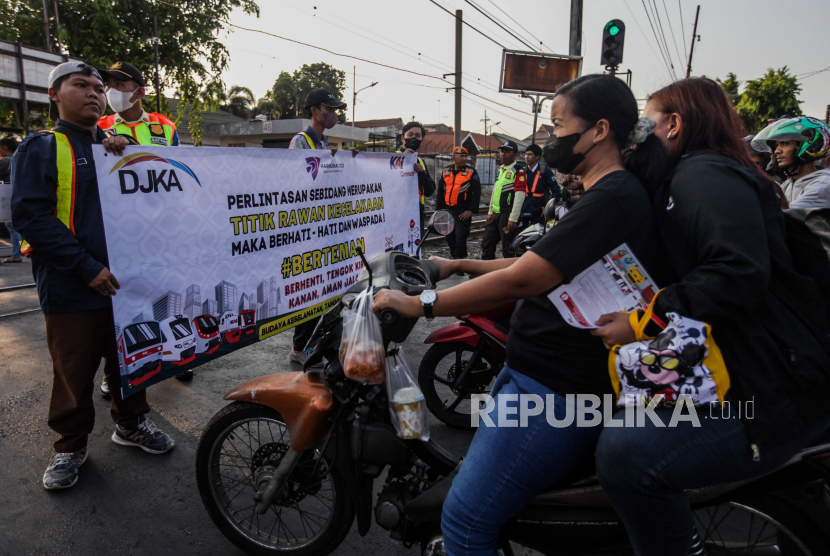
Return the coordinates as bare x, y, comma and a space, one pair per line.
527, 239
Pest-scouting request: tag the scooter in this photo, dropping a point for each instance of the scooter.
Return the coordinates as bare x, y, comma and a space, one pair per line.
290, 463
467, 356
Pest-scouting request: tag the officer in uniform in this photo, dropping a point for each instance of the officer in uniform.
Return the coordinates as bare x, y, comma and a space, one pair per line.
505, 204
541, 187
56, 208
412, 136
125, 89
459, 191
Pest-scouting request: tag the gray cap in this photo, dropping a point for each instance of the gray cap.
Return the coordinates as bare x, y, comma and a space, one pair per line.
63, 70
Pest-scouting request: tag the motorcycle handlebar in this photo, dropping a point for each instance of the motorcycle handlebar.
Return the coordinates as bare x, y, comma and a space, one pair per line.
389, 316
432, 269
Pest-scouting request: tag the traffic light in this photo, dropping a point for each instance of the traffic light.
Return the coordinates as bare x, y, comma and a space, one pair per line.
613, 36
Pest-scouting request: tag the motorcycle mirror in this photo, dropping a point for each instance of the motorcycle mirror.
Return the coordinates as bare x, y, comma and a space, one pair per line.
442, 223
365, 264
550, 211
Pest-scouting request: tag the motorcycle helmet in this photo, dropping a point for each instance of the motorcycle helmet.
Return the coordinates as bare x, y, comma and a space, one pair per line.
526, 239
765, 155
813, 134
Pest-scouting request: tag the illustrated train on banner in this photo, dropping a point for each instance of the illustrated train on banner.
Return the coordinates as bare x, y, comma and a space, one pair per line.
218, 248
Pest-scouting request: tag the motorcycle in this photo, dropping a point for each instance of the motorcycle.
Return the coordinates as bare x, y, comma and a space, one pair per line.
289, 464
467, 356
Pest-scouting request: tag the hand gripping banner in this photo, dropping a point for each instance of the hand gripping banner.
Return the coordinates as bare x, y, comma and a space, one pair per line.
216, 248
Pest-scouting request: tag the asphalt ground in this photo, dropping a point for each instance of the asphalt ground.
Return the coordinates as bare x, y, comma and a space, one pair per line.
128, 502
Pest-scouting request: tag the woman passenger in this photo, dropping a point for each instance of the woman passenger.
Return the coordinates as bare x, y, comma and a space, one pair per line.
722, 240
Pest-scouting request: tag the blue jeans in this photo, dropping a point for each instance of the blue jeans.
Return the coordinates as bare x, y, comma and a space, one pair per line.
15, 239
643, 471
506, 467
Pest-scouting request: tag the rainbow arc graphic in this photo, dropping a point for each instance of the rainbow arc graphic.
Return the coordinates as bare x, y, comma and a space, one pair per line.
137, 158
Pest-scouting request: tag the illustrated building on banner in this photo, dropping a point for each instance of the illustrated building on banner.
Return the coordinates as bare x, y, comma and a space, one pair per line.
117, 330
274, 298
168, 305
210, 307
139, 317
243, 303
225, 296
193, 302
262, 311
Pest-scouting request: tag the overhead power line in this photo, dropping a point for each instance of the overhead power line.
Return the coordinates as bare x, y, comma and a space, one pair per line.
643, 33
491, 39
509, 32
669, 66
683, 29
671, 30
659, 26
522, 27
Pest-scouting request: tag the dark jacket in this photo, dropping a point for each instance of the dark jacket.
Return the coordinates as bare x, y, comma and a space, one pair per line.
62, 265
723, 239
470, 199
541, 187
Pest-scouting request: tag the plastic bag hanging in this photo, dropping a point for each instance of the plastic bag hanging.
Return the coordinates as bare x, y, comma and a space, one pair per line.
407, 406
361, 349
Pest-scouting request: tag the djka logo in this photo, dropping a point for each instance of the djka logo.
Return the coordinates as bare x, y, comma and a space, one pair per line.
313, 166
131, 183
396, 163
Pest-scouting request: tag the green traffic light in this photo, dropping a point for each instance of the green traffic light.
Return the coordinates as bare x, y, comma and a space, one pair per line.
614, 30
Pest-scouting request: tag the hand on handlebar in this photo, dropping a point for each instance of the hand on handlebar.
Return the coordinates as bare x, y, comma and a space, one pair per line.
445, 266
404, 305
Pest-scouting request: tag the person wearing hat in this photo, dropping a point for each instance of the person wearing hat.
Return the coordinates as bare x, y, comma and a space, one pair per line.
505, 204
56, 208
125, 89
412, 135
321, 106
541, 186
459, 191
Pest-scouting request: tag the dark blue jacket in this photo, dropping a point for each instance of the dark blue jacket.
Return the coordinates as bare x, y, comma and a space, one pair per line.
62, 265
533, 206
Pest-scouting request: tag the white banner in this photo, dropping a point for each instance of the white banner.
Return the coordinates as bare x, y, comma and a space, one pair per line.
216, 248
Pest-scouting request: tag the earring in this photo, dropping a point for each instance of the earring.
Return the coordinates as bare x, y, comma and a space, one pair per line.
669, 136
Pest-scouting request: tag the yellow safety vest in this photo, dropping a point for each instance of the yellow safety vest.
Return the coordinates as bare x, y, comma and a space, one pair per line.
159, 131
311, 144
65, 162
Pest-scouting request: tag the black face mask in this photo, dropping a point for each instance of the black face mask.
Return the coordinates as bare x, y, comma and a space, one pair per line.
559, 152
412, 143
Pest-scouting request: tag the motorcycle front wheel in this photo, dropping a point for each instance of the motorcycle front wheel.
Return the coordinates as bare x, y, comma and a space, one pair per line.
239, 449
440, 368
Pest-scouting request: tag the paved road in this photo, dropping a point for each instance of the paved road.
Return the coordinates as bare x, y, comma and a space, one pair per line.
128, 502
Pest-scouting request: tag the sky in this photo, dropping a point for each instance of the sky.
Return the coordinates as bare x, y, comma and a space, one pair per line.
745, 37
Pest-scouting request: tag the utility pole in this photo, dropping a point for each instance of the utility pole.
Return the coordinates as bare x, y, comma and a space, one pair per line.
575, 43
155, 41
458, 28
46, 26
485, 120
354, 90
692, 49
57, 27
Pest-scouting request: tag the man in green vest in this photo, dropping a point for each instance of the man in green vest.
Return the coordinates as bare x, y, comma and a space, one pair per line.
505, 204
125, 89
56, 208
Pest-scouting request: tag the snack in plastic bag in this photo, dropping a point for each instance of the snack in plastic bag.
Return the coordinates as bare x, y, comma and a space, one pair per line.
407, 406
362, 353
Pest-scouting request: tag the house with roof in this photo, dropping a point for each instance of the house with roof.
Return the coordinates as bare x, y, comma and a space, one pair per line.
383, 134
542, 134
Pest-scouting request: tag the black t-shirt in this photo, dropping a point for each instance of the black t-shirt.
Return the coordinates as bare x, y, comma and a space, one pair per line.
541, 344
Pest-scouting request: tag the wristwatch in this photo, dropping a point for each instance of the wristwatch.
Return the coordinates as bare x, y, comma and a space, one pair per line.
428, 298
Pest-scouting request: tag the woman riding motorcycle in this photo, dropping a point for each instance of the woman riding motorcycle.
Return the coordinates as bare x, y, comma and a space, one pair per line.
595, 118
722, 236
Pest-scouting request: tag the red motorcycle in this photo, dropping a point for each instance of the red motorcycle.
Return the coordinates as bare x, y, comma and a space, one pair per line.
465, 359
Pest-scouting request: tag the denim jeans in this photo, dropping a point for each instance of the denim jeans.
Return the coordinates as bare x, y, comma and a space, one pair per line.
15, 239
506, 467
643, 471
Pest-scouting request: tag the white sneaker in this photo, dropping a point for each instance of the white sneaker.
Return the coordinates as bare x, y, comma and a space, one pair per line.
105, 390
302, 356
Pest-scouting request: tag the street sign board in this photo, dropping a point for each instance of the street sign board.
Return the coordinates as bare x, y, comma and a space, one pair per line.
534, 72
24, 71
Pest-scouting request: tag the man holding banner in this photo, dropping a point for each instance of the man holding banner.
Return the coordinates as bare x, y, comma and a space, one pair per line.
321, 107
56, 208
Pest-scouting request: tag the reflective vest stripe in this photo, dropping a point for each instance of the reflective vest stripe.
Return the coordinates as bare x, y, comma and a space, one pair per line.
421, 197
311, 144
456, 185
65, 163
535, 182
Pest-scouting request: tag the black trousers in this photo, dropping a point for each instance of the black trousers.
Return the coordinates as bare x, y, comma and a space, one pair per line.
457, 240
493, 233
303, 332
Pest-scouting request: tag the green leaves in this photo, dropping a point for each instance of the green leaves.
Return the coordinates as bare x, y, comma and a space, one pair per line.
769, 97
286, 98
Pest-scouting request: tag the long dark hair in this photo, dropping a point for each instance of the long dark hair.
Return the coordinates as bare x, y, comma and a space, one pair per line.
710, 123
603, 97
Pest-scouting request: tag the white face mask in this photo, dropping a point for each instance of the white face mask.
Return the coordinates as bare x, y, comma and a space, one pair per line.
120, 102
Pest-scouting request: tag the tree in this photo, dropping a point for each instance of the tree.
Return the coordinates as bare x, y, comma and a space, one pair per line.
191, 58
238, 101
771, 96
730, 86
286, 98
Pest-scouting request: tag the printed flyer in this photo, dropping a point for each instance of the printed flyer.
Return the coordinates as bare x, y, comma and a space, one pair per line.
216, 248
